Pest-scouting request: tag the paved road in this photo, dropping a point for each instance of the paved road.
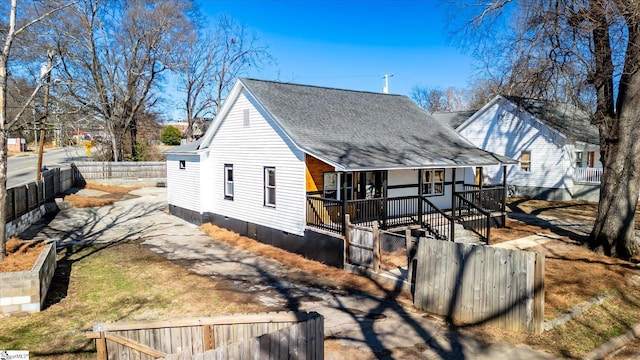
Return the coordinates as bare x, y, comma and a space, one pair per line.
21, 169
358, 320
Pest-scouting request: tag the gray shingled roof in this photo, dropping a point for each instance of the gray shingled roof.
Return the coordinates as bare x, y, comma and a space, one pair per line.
569, 120
363, 130
182, 149
454, 118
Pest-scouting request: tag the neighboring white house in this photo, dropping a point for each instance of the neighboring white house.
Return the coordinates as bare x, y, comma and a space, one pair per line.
555, 143
285, 163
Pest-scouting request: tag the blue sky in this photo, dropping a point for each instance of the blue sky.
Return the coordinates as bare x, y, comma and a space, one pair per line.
352, 44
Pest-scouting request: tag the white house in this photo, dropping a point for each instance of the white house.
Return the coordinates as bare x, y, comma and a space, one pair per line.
555, 143
285, 163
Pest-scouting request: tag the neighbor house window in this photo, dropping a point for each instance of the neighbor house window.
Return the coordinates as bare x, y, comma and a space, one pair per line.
579, 159
270, 186
332, 185
433, 183
525, 161
228, 181
182, 164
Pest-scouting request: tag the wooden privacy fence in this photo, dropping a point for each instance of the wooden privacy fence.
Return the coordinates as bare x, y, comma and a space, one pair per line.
24, 198
362, 245
481, 284
292, 335
122, 170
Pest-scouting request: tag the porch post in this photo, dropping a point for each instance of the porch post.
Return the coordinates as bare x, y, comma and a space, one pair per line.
453, 203
480, 184
420, 210
385, 179
343, 177
504, 186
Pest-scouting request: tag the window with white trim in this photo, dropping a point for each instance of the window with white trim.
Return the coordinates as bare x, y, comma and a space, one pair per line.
228, 181
182, 164
270, 186
525, 161
433, 182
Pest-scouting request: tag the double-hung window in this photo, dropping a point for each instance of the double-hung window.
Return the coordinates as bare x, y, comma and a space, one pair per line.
433, 182
525, 161
228, 181
270, 186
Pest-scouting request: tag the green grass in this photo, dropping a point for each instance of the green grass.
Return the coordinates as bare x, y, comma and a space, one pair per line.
596, 326
120, 283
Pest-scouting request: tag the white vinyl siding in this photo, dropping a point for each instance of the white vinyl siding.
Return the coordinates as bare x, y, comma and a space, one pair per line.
401, 178
183, 184
506, 130
250, 149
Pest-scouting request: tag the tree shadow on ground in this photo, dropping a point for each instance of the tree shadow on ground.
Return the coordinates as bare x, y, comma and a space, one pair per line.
80, 233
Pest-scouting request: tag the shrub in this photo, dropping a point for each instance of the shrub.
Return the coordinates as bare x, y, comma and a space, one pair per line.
171, 135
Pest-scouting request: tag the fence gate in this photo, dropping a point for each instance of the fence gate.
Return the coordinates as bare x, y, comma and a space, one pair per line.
362, 246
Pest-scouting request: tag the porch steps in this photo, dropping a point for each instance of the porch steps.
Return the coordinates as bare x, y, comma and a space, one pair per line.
461, 235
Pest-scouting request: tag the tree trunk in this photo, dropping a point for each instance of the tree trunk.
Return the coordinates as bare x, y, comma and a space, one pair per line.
133, 134
614, 228
116, 142
3, 155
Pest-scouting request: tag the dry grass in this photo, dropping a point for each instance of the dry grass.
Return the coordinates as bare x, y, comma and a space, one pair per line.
111, 189
112, 194
80, 201
322, 274
515, 229
21, 255
571, 209
573, 274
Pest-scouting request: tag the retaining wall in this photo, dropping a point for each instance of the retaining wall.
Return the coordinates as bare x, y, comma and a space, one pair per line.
25, 291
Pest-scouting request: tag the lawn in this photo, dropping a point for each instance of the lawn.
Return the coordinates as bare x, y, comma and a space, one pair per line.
105, 284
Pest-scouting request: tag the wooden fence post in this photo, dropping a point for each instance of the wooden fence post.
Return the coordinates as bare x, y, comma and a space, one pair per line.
408, 240
347, 235
101, 346
376, 247
538, 295
208, 334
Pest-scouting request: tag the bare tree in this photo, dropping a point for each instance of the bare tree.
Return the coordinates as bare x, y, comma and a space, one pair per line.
13, 28
576, 50
209, 66
436, 99
113, 55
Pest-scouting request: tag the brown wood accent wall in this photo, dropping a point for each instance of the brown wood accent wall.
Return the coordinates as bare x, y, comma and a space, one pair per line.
315, 169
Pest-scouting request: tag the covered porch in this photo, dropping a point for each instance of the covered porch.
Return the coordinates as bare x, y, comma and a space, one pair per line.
432, 199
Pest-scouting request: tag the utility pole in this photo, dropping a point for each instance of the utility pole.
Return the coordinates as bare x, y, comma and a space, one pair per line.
385, 89
46, 74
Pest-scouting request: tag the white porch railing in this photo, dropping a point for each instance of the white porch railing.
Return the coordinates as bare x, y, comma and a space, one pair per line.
587, 175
